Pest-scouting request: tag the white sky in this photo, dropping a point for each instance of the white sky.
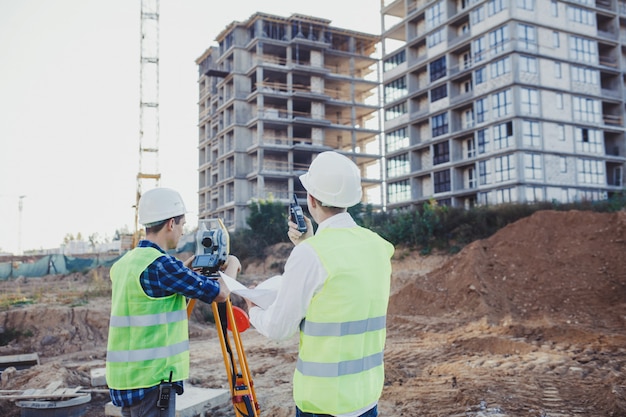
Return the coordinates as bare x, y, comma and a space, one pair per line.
69, 106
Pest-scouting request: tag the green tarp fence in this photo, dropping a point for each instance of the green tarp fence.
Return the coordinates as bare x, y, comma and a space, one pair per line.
52, 265
62, 264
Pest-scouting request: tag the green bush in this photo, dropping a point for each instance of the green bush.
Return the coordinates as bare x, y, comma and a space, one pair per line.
429, 227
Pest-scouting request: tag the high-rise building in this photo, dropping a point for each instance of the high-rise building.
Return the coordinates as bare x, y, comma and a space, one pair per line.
274, 93
495, 101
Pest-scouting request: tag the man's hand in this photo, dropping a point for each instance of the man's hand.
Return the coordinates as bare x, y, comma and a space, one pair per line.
232, 266
188, 261
297, 236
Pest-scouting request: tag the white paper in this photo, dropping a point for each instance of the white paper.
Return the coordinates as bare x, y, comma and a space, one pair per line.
263, 295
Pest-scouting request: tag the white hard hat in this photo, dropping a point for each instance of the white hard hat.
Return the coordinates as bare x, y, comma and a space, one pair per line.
334, 180
160, 204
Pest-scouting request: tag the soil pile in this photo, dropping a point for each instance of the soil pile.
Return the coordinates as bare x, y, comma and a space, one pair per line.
529, 322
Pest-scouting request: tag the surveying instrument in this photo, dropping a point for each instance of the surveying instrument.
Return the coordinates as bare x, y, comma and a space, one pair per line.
212, 249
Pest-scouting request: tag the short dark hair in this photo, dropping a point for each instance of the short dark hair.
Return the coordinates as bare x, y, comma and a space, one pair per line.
156, 228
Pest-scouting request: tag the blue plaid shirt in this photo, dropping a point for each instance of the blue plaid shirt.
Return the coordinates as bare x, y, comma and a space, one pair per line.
166, 276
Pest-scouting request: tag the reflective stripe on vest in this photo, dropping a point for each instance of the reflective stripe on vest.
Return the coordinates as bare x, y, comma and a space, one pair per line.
147, 354
340, 360
310, 328
148, 319
148, 336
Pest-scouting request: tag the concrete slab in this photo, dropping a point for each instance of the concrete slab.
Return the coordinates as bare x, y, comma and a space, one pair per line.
191, 404
98, 377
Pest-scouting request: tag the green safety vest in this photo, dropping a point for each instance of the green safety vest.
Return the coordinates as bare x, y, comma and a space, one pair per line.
342, 338
148, 337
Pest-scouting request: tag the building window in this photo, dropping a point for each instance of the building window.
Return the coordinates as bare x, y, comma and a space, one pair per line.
563, 164
435, 38
504, 168
534, 194
442, 181
478, 49
471, 178
481, 110
438, 69
501, 67
398, 192
439, 124
584, 75
498, 40
395, 89
482, 139
438, 93
526, 37
580, 15
554, 7
528, 64
530, 134
495, 6
556, 40
586, 110
468, 118
435, 15
395, 111
591, 171
589, 140
529, 102
397, 139
582, 50
561, 132
557, 70
480, 76
471, 148
502, 103
483, 172
398, 165
502, 135
478, 15
441, 153
395, 60
559, 100
533, 169
504, 195
525, 4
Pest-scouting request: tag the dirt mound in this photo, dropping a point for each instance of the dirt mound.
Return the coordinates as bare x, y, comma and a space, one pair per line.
566, 265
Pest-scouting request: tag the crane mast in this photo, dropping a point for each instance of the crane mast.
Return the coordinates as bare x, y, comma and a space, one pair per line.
148, 175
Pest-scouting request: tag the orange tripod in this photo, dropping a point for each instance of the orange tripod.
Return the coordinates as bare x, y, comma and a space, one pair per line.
229, 317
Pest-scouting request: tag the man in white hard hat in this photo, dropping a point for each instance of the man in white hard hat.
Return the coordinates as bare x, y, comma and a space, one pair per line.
335, 291
148, 344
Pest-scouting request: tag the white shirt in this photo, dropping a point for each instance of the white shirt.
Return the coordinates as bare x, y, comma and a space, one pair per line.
304, 277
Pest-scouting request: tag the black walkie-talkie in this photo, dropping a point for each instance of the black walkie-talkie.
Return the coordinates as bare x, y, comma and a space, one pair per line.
297, 216
166, 390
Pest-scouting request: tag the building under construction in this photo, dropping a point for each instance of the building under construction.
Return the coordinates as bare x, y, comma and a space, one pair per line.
273, 94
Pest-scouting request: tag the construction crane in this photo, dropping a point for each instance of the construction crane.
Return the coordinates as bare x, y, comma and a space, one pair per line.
148, 175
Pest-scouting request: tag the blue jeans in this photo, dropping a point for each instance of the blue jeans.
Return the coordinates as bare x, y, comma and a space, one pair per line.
371, 413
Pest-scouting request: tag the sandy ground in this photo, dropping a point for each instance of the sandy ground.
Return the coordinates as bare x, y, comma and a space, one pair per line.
530, 322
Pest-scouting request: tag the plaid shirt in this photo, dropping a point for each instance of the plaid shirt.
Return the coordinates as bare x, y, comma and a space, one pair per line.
166, 276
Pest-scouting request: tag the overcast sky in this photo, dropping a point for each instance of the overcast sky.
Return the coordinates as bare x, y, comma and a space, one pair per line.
69, 106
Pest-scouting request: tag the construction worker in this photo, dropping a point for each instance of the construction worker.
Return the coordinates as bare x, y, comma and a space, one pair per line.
148, 344
335, 291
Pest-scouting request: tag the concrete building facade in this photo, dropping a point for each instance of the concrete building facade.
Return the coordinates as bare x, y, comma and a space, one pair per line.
273, 94
495, 101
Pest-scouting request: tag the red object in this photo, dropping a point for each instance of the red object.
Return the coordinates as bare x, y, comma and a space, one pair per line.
241, 320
